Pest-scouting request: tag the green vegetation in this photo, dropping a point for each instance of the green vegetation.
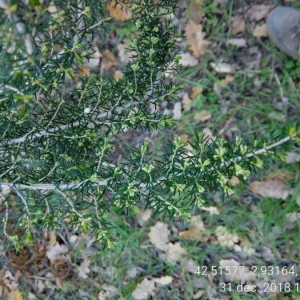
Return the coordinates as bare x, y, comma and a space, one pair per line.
56, 150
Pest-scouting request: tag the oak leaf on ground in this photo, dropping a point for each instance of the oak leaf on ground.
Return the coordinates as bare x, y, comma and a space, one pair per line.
145, 289
238, 25
188, 60
196, 38
226, 238
260, 31
158, 236
174, 252
258, 12
271, 187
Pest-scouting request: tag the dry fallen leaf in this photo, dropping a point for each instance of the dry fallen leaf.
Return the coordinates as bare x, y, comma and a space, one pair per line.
56, 251
107, 292
61, 265
228, 79
61, 268
191, 234
258, 12
260, 31
238, 25
9, 281
203, 115
144, 290
119, 11
267, 253
197, 222
186, 100
109, 59
195, 38
194, 13
84, 268
41, 286
292, 157
164, 280
184, 137
271, 187
195, 230
285, 175
5, 279
236, 271
196, 91
85, 71
245, 248
208, 134
118, 75
143, 216
15, 295
213, 210
52, 9
222, 83
223, 67
226, 238
240, 43
188, 265
174, 252
188, 60
234, 181
158, 236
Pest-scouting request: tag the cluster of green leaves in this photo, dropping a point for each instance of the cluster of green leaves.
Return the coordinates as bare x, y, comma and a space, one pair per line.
58, 134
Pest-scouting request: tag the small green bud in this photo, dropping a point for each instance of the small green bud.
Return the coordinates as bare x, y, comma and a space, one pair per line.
135, 67
154, 40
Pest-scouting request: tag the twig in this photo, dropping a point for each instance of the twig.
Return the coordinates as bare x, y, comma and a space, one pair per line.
33, 136
99, 23
46, 186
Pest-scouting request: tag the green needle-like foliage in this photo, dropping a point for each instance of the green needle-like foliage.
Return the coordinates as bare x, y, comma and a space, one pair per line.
57, 135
